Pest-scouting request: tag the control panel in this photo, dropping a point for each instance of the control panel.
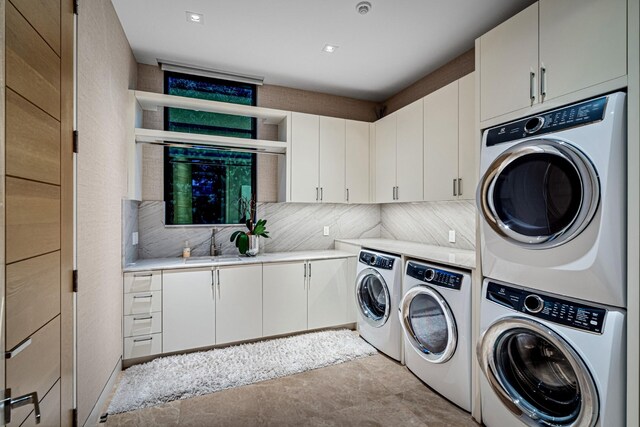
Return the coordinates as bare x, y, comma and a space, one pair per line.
434, 276
556, 310
377, 260
551, 121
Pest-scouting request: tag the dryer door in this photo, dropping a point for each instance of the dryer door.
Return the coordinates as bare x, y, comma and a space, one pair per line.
537, 374
374, 300
540, 193
428, 324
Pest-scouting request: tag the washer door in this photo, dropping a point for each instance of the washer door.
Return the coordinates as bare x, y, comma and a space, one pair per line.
428, 324
537, 375
372, 294
540, 193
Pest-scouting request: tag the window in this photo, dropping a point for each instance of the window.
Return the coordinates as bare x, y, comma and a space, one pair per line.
202, 185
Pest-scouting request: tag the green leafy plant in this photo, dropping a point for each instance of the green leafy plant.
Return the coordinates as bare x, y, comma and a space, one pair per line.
241, 237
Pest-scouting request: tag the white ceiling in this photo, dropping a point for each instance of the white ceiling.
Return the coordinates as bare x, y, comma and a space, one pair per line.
379, 54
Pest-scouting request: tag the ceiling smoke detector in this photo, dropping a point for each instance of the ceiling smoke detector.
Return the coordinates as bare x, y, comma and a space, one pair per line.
363, 7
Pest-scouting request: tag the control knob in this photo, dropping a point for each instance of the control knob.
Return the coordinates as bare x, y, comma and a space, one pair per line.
373, 259
533, 124
533, 303
429, 274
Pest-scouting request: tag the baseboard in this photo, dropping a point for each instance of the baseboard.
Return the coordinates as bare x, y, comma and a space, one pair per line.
100, 407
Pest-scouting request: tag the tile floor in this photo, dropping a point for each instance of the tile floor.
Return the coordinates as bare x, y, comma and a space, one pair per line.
372, 391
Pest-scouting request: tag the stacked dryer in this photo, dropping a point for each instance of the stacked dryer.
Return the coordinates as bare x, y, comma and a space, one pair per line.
552, 199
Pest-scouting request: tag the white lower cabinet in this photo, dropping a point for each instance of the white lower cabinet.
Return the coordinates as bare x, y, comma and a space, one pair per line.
188, 310
238, 303
327, 293
142, 346
284, 289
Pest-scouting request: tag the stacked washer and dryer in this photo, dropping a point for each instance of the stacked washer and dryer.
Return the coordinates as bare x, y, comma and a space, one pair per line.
552, 315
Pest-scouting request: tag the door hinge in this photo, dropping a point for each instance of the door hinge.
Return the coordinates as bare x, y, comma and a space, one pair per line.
75, 281
76, 3
74, 420
75, 141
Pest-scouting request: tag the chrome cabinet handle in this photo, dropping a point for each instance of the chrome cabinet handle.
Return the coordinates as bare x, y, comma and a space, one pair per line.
397, 192
459, 186
454, 187
321, 193
140, 319
532, 87
8, 403
317, 194
143, 339
347, 194
543, 82
17, 349
218, 281
142, 296
305, 270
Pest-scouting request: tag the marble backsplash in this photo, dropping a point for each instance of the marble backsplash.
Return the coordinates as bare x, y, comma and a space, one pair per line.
430, 222
129, 226
291, 226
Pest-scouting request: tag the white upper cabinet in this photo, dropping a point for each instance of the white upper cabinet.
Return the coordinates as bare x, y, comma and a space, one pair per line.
409, 149
305, 157
582, 43
357, 161
554, 50
509, 65
386, 159
332, 160
468, 138
441, 143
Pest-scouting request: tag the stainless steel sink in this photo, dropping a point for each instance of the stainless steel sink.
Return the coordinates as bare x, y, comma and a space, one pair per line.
208, 259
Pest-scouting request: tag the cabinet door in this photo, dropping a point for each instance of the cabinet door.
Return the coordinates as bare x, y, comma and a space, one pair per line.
332, 163
357, 161
441, 143
188, 310
582, 43
327, 300
238, 303
508, 56
305, 155
284, 306
385, 158
468, 139
409, 152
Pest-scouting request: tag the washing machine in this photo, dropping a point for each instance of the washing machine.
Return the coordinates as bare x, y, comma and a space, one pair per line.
378, 292
552, 197
435, 315
548, 360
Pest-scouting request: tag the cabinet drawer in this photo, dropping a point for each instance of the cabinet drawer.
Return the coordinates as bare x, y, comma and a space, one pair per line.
141, 346
142, 302
142, 324
142, 281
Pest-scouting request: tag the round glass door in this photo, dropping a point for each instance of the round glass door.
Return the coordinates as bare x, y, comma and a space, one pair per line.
541, 376
373, 297
540, 193
428, 324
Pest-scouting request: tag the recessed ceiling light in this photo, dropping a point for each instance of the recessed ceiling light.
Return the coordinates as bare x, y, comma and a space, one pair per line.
329, 48
363, 7
196, 18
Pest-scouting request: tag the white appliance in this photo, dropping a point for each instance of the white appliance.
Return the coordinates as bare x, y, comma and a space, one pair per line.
550, 361
435, 314
553, 201
378, 292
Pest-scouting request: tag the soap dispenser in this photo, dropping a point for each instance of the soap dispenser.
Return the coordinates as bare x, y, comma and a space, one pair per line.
186, 251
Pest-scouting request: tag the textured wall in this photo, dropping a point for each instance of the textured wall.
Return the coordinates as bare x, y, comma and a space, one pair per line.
449, 72
292, 226
107, 69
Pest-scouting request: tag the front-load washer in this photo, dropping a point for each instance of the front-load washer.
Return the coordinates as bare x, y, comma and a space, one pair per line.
548, 360
435, 315
552, 197
378, 292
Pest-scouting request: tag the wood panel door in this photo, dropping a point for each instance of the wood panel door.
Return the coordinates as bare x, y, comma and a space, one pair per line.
36, 221
305, 157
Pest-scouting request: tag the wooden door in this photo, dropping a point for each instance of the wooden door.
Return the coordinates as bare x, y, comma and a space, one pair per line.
188, 310
357, 161
582, 43
508, 56
386, 159
409, 149
238, 303
284, 304
441, 143
468, 139
305, 157
327, 300
332, 161
36, 189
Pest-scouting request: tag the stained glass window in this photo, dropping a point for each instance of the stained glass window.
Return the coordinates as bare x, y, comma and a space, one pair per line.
205, 186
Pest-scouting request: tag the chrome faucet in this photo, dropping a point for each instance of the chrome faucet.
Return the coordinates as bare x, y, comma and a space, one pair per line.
214, 250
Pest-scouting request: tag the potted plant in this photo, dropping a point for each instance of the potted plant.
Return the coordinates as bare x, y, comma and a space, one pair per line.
247, 242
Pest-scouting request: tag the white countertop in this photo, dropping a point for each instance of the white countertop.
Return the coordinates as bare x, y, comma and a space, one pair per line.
449, 256
199, 262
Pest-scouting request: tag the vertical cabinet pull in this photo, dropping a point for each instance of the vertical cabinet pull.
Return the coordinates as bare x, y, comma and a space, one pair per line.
213, 283
317, 193
454, 187
543, 82
397, 193
347, 194
459, 186
309, 284
532, 87
321, 193
218, 274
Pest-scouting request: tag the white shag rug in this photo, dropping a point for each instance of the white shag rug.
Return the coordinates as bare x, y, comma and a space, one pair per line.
187, 375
